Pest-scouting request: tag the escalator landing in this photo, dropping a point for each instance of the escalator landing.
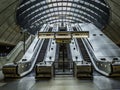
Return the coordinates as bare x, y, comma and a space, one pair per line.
61, 82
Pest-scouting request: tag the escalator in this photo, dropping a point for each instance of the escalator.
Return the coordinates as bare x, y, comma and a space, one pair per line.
42, 51
83, 69
40, 56
85, 54
83, 50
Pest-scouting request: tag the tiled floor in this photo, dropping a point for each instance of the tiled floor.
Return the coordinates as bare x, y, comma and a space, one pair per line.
61, 83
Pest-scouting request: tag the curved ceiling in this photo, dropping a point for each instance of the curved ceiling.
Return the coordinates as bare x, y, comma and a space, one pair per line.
32, 14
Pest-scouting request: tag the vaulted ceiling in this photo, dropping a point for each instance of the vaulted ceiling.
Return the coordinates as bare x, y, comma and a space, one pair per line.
31, 13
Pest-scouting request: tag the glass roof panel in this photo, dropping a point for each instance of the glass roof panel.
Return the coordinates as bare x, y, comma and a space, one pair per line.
31, 12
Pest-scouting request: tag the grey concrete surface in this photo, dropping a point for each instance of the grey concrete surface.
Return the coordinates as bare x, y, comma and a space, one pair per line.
112, 30
9, 31
98, 82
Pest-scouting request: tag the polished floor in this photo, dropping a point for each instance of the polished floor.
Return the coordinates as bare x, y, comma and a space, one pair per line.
98, 82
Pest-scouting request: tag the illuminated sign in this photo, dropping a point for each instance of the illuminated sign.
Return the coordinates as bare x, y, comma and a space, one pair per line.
64, 34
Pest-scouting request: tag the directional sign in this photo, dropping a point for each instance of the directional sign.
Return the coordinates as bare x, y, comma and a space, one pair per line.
64, 34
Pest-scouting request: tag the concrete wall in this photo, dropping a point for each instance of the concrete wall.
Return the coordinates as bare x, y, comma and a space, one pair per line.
9, 31
113, 29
